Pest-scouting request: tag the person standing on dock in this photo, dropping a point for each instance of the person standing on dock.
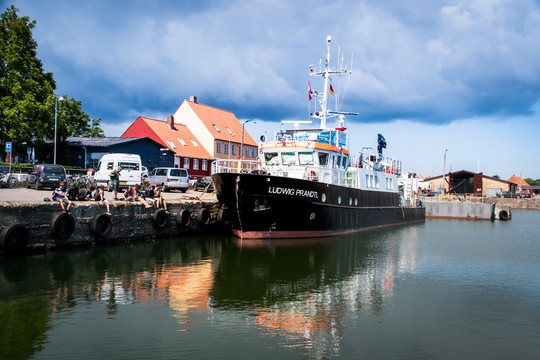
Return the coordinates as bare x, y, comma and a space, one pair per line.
115, 181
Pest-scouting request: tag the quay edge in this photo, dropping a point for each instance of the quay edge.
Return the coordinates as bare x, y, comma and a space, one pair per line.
32, 227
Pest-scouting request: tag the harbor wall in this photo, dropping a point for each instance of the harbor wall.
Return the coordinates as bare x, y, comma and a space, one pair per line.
459, 210
128, 221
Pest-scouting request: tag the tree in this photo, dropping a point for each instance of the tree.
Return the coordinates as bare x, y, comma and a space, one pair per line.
27, 99
25, 89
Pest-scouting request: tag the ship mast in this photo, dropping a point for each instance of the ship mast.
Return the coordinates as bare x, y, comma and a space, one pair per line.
323, 103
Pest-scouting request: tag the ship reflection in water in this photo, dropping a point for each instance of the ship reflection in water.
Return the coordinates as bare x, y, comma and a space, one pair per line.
433, 288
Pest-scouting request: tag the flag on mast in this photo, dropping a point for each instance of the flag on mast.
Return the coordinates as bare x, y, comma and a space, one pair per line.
309, 90
331, 89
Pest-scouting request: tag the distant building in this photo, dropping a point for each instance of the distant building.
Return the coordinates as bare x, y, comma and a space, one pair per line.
188, 151
219, 131
467, 182
86, 152
522, 185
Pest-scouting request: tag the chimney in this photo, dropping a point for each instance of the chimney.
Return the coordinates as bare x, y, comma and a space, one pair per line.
193, 99
170, 122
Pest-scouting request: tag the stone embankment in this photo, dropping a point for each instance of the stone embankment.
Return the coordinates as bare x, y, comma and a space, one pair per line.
523, 204
32, 226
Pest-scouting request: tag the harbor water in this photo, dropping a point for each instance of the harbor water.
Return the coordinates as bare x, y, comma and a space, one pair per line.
443, 289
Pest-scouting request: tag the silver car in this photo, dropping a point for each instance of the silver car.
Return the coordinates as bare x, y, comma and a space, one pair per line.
170, 178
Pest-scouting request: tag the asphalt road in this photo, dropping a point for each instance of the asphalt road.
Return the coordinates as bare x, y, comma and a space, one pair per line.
31, 195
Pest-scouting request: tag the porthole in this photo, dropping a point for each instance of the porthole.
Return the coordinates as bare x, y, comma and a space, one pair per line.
355, 202
339, 200
323, 198
350, 201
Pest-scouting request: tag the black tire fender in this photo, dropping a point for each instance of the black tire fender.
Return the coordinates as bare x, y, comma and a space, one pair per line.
62, 225
14, 238
160, 218
203, 216
222, 217
101, 225
503, 215
183, 218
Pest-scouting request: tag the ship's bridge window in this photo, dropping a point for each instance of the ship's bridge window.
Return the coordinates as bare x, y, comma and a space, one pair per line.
288, 158
305, 157
323, 159
345, 162
271, 158
338, 164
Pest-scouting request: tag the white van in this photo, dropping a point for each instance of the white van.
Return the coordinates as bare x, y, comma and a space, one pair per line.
130, 175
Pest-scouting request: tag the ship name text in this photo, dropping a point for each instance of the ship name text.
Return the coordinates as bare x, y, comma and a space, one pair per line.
293, 192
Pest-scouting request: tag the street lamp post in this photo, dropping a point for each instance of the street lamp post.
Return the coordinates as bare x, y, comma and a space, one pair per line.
242, 147
444, 170
56, 99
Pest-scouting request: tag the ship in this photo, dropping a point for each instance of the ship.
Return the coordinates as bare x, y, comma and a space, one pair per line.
306, 184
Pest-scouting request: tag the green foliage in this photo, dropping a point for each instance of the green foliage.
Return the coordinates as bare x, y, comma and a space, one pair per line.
25, 88
532, 182
27, 99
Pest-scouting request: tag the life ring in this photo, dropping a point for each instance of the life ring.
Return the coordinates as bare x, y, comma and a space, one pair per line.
203, 216
62, 225
222, 217
14, 238
313, 176
101, 225
160, 218
503, 215
183, 218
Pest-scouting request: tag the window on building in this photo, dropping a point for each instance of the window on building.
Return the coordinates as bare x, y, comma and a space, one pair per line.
195, 164
186, 163
233, 149
205, 165
226, 150
171, 144
194, 143
247, 151
215, 127
254, 152
218, 147
181, 141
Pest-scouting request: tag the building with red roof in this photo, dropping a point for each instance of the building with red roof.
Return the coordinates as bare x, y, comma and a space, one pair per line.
520, 184
219, 131
188, 151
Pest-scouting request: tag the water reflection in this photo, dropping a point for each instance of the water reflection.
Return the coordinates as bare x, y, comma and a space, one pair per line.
298, 293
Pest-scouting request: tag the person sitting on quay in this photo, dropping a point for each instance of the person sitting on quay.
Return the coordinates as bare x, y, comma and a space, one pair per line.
159, 201
139, 195
98, 195
128, 194
60, 196
73, 192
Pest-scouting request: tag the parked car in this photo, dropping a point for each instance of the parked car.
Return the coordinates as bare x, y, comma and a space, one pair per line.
525, 195
130, 175
204, 183
170, 178
47, 175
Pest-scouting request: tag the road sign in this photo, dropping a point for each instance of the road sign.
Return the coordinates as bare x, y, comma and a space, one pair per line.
8, 147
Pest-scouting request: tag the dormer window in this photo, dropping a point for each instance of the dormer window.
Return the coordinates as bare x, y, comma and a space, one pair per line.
215, 127
171, 144
194, 143
181, 141
229, 130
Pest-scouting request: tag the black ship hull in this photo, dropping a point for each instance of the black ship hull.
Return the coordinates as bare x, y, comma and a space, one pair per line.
264, 206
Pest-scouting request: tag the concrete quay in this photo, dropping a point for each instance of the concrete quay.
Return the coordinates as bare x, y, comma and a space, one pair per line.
36, 225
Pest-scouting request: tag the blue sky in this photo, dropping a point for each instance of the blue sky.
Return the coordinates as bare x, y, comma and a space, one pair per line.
428, 75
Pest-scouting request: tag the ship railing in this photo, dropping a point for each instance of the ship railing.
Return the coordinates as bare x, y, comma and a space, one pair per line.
374, 162
235, 166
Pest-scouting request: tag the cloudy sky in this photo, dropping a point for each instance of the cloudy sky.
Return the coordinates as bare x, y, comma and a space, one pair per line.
429, 75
